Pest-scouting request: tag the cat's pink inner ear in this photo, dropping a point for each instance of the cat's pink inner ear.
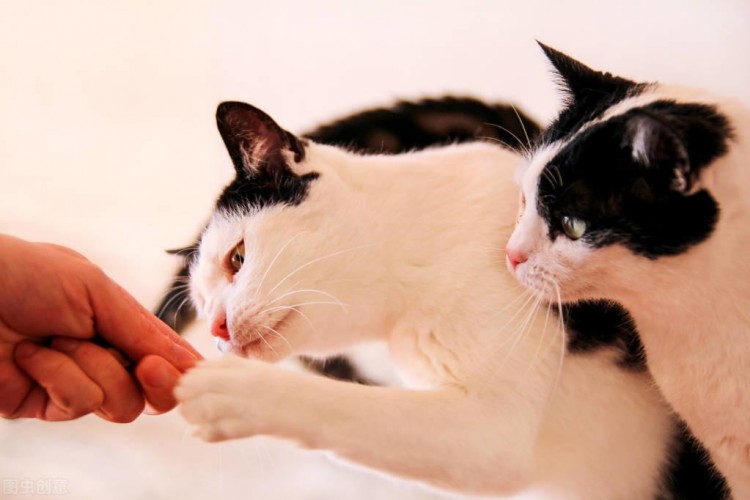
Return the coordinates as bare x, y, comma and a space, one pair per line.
254, 140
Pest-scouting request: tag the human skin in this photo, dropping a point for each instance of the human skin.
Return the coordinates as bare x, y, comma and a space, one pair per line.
58, 311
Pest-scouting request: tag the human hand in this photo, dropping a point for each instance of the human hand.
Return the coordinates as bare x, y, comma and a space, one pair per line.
55, 308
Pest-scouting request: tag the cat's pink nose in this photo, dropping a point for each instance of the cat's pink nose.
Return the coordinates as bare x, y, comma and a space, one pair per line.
219, 329
515, 257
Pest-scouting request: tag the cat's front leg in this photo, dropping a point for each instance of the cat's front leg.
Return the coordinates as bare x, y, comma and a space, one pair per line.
445, 438
229, 398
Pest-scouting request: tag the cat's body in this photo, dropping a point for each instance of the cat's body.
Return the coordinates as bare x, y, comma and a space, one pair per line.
653, 182
313, 249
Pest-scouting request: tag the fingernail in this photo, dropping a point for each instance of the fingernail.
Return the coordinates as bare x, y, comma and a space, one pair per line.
26, 350
66, 345
149, 410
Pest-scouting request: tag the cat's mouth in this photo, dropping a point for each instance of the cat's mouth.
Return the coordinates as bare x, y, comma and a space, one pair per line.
264, 336
538, 281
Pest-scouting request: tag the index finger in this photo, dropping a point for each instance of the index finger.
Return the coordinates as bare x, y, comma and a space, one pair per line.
132, 329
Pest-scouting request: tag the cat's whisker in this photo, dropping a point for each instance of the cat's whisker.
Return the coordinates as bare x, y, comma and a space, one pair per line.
181, 295
181, 283
499, 141
273, 261
303, 266
523, 328
563, 339
182, 304
300, 304
305, 317
182, 286
557, 171
523, 127
313, 290
524, 296
526, 306
541, 337
520, 142
282, 337
550, 177
263, 338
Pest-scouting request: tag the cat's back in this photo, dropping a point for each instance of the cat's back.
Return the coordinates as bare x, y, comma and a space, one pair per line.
459, 197
472, 181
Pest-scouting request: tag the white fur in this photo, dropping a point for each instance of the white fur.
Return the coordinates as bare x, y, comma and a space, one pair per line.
691, 309
408, 250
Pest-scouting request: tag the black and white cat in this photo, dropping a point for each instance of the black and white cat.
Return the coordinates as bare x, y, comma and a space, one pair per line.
404, 126
638, 193
313, 249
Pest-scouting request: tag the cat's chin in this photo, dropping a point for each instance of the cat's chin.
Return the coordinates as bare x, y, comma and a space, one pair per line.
260, 348
561, 295
271, 346
553, 294
223, 346
539, 288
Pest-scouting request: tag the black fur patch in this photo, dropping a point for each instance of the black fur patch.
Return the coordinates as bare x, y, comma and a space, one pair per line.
592, 325
623, 200
409, 126
692, 475
175, 309
336, 367
264, 189
589, 93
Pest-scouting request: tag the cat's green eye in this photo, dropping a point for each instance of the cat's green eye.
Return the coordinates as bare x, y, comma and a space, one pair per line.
573, 226
237, 257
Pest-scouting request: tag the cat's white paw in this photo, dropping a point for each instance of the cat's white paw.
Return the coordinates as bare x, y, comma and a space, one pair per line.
225, 398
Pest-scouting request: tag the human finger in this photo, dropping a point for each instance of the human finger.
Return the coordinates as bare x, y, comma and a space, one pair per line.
158, 379
34, 404
71, 392
15, 385
128, 326
123, 401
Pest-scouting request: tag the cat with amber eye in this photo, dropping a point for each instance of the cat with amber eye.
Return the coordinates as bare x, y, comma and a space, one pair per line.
236, 257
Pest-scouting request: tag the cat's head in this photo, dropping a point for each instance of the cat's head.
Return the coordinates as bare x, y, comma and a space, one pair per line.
268, 272
617, 180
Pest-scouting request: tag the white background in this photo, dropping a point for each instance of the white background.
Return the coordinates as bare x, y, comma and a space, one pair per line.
107, 144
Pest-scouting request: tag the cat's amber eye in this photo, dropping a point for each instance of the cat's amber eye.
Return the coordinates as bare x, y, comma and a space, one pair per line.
573, 226
236, 257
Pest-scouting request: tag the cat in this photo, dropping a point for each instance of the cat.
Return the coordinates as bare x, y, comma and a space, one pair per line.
402, 127
637, 193
313, 248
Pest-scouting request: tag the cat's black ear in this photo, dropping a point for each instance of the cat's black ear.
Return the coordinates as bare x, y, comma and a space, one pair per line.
582, 82
676, 139
255, 142
655, 145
